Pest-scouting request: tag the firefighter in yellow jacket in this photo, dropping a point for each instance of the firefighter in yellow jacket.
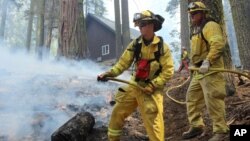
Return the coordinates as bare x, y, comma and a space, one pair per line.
149, 73
207, 88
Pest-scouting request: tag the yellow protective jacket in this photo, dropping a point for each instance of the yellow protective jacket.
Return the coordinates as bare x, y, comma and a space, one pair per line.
212, 50
147, 52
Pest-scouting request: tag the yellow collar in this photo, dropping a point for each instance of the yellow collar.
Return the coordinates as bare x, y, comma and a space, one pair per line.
156, 40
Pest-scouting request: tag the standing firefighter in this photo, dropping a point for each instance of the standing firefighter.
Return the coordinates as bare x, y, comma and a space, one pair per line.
153, 67
207, 88
184, 60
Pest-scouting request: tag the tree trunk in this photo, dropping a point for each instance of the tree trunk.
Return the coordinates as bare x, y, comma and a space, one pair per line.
76, 129
118, 42
50, 25
40, 28
185, 37
240, 11
72, 30
3, 18
30, 25
125, 24
232, 40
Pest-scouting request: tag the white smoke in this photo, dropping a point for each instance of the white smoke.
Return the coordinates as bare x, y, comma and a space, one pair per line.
37, 97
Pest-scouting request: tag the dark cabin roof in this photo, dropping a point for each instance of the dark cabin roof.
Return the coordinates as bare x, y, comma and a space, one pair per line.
111, 25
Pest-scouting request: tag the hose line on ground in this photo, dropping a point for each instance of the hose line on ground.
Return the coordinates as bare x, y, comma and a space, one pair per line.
178, 86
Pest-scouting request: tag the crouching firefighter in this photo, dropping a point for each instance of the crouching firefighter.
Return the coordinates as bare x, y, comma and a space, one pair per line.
152, 64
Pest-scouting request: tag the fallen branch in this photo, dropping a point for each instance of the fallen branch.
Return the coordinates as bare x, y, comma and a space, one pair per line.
231, 120
244, 85
240, 102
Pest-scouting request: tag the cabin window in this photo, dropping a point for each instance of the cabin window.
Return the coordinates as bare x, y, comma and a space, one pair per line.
105, 49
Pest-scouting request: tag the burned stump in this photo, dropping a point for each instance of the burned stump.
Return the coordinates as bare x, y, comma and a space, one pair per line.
76, 129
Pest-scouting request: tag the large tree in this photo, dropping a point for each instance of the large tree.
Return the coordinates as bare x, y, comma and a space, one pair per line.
51, 20
40, 27
30, 24
3, 17
240, 11
72, 30
185, 36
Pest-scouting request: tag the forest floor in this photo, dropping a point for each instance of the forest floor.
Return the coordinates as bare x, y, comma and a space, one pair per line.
237, 113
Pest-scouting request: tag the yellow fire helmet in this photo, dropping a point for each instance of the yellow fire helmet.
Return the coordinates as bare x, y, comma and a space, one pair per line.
148, 16
197, 6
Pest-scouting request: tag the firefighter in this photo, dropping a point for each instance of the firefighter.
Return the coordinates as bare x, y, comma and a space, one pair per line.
207, 88
184, 60
149, 72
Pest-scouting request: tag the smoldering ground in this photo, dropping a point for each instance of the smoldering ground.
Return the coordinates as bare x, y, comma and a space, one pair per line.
37, 97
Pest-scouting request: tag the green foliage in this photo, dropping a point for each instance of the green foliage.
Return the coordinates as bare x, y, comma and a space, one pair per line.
175, 45
96, 7
172, 6
15, 29
174, 33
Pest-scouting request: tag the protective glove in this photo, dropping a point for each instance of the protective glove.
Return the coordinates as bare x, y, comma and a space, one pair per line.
204, 67
149, 89
103, 77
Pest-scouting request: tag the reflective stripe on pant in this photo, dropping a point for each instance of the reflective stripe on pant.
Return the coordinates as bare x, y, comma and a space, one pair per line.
127, 100
114, 135
210, 92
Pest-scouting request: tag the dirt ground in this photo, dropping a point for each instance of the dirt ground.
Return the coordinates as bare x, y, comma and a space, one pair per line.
237, 108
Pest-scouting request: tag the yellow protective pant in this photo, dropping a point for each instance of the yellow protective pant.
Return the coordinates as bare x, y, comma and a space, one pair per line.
207, 92
150, 107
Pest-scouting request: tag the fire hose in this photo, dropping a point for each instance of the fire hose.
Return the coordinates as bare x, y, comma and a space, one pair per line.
175, 87
211, 69
141, 88
112, 102
247, 75
124, 81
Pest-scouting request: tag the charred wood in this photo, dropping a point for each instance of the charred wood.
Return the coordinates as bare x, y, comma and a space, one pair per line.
76, 129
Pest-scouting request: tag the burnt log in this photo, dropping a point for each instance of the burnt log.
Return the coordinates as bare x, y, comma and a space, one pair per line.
75, 129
